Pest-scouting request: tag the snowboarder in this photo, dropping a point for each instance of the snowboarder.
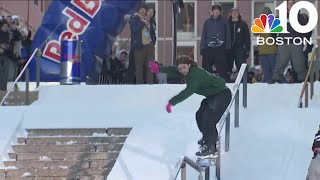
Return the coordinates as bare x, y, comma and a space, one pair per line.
217, 98
314, 168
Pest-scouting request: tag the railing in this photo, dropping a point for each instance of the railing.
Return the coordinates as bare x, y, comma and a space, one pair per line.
224, 121
311, 76
26, 71
182, 167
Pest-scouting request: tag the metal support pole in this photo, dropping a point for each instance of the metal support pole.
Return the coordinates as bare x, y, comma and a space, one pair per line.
200, 176
227, 135
306, 96
236, 110
174, 54
183, 171
38, 67
27, 94
207, 173
245, 83
15, 94
312, 82
218, 160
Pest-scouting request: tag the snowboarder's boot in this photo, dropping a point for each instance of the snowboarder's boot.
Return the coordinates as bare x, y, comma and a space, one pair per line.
201, 142
207, 152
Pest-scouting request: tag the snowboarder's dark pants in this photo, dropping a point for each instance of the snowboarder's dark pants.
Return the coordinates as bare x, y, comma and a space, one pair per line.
209, 114
218, 58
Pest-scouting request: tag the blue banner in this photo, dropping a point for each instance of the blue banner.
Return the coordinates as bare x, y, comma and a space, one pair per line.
95, 22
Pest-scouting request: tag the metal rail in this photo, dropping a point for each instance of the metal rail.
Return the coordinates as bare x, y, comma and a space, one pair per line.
19, 76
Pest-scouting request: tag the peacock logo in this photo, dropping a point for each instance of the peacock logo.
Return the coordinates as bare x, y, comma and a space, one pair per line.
267, 24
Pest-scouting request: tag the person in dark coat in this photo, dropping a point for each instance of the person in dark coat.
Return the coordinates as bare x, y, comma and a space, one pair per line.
215, 40
240, 40
143, 40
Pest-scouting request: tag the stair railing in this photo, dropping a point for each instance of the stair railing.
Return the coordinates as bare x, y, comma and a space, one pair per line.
310, 76
26, 71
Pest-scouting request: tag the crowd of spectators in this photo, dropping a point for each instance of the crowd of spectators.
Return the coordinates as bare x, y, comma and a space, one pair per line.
15, 44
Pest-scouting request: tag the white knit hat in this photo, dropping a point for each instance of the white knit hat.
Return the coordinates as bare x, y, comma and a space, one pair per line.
15, 17
25, 31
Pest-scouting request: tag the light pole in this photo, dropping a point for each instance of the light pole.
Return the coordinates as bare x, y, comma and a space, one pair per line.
175, 5
28, 14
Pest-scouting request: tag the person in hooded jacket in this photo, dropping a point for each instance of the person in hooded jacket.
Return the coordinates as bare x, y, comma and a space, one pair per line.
143, 40
119, 67
215, 40
240, 40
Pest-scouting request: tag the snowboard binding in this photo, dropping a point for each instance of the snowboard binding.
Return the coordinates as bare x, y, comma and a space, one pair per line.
208, 160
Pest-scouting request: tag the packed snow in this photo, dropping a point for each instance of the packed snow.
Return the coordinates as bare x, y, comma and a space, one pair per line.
273, 141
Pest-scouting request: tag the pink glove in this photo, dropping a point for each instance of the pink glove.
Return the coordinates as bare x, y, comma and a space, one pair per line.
154, 67
168, 108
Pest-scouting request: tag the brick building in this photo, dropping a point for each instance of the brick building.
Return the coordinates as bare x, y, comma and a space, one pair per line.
190, 23
32, 10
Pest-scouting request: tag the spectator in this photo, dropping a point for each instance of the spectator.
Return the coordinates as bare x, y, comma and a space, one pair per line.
119, 67
143, 40
9, 20
307, 47
267, 53
215, 40
290, 76
4, 54
161, 77
252, 77
15, 46
240, 40
26, 48
287, 52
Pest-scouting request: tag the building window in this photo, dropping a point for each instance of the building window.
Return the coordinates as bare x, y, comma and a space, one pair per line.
186, 51
185, 18
36, 2
259, 6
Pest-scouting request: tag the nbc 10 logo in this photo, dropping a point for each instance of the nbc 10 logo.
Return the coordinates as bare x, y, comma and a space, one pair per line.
271, 24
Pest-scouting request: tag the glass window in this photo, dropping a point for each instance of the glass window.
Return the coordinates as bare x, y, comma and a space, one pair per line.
186, 51
185, 18
258, 7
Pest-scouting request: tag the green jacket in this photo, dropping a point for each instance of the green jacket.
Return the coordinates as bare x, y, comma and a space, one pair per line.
198, 81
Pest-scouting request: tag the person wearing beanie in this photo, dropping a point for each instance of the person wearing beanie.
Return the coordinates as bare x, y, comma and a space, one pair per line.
215, 40
240, 40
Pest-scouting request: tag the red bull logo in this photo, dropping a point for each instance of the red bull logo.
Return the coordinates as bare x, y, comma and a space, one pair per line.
75, 26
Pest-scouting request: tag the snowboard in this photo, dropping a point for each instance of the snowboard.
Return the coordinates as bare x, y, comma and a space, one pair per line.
206, 162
